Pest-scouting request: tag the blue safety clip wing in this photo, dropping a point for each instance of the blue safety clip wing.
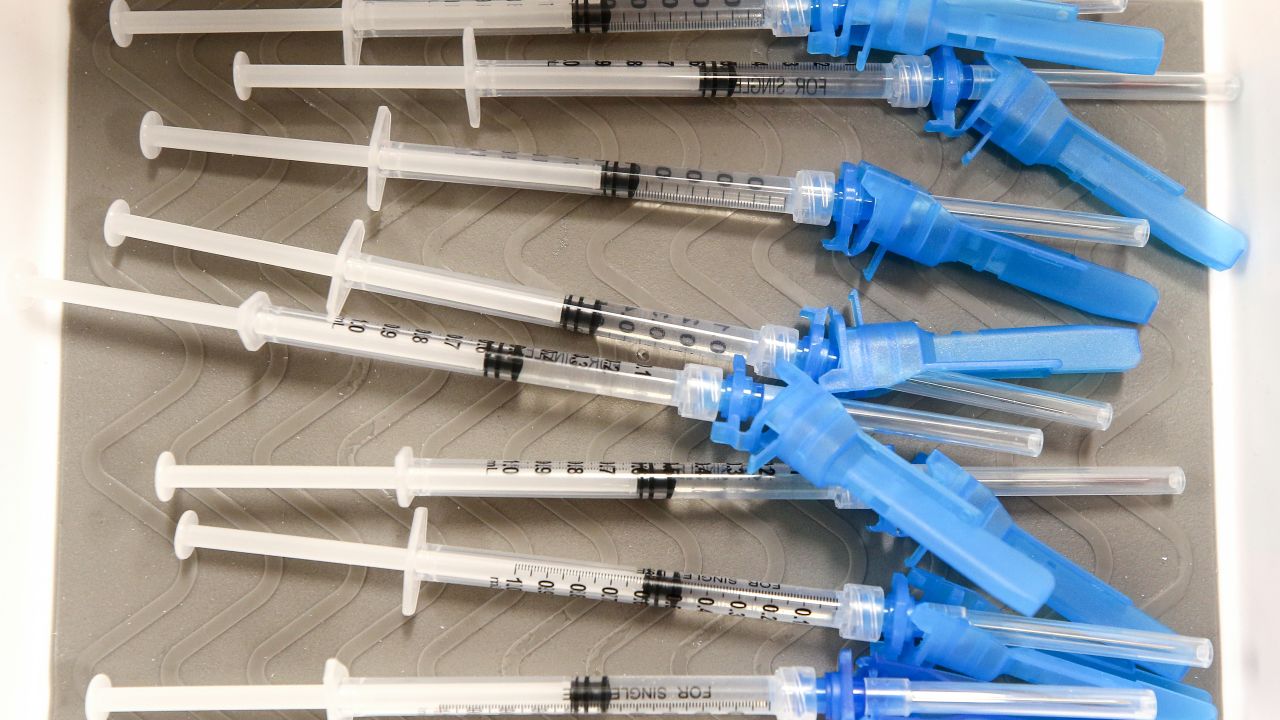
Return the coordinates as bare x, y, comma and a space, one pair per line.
880, 355
1036, 29
806, 427
932, 637
872, 205
1077, 595
1021, 114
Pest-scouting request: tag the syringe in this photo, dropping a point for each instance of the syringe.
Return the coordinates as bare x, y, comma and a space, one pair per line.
790, 693
908, 81
1025, 28
858, 612
413, 477
883, 355
881, 207
694, 391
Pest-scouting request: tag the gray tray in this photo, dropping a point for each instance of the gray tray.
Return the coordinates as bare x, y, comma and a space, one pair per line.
135, 387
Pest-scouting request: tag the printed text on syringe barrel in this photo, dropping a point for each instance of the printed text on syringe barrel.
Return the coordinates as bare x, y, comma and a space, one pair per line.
717, 595
548, 368
709, 79
654, 327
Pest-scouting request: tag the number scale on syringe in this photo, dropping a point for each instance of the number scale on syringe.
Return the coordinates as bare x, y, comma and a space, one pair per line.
676, 590
678, 15
549, 368
633, 695
447, 17
625, 78
623, 480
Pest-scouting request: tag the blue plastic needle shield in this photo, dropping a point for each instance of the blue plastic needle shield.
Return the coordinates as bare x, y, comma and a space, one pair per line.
1021, 114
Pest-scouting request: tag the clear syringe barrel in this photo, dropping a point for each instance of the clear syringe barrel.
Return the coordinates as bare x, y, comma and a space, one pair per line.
629, 78
382, 18
427, 477
425, 18
790, 693
660, 183
577, 314
672, 589
455, 353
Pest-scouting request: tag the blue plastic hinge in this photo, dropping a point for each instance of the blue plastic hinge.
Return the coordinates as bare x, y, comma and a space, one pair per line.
805, 426
937, 589
1021, 114
872, 205
1025, 28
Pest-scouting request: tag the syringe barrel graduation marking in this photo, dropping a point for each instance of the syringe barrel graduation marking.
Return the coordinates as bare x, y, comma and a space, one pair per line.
763, 349
693, 391
411, 477
858, 612
790, 693
809, 196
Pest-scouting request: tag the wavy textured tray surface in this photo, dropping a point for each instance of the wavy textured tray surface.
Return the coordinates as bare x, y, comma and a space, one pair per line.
135, 387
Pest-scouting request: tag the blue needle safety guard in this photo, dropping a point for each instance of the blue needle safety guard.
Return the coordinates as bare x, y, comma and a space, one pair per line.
880, 355
1036, 29
875, 206
1021, 114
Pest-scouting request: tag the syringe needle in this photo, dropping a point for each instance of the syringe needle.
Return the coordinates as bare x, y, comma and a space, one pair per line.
412, 477
870, 200
857, 611
791, 693
909, 371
